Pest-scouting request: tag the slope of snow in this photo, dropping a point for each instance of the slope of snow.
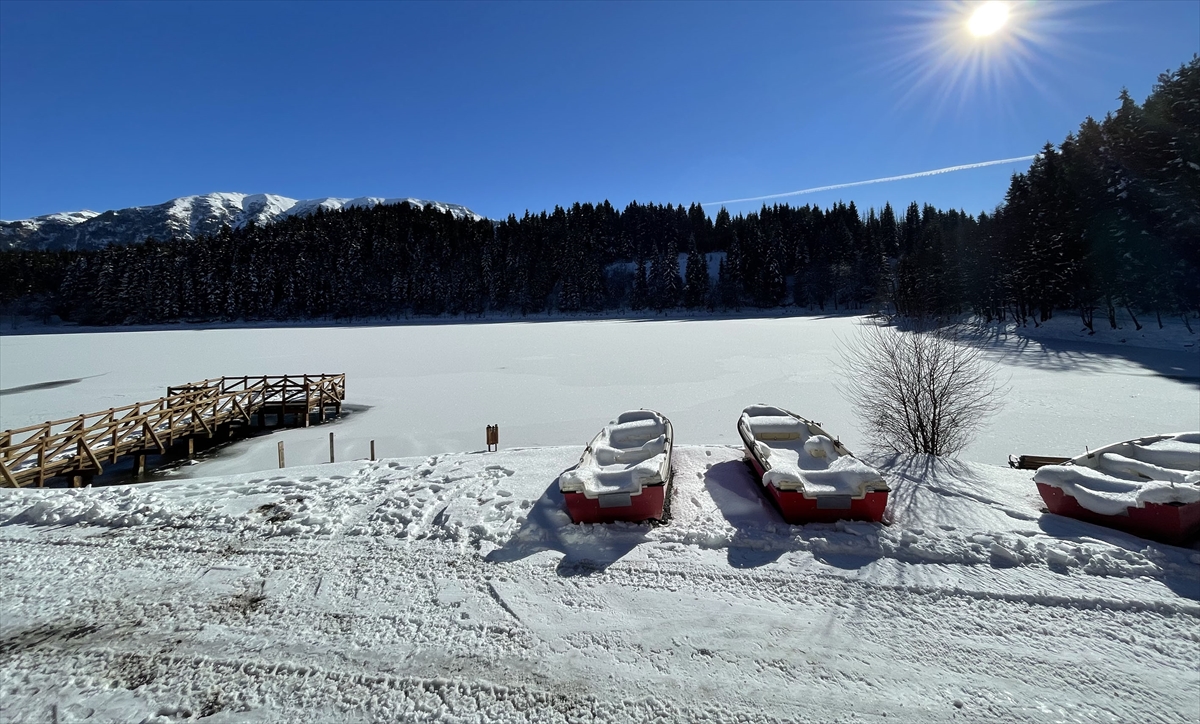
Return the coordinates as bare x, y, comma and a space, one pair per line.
185, 217
455, 588
69, 217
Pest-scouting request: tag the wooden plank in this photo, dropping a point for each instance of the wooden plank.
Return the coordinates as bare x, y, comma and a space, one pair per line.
1033, 462
200, 419
8, 476
241, 410
85, 449
148, 431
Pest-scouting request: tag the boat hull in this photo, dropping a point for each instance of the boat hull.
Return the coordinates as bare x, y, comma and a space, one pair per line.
1175, 524
797, 509
646, 506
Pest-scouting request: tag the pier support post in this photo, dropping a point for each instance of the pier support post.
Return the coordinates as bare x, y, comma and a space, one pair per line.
191, 448
139, 465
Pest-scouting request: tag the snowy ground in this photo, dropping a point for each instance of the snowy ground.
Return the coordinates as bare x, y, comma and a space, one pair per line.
452, 586
455, 587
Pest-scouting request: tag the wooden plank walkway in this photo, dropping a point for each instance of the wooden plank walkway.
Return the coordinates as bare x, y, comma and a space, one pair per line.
83, 445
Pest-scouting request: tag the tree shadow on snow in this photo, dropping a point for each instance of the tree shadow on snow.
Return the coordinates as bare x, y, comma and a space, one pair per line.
586, 548
1081, 355
950, 481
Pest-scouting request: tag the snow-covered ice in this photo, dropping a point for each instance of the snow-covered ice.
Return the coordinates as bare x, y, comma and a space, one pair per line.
432, 388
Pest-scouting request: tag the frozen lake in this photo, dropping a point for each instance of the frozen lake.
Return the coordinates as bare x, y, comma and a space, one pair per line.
432, 388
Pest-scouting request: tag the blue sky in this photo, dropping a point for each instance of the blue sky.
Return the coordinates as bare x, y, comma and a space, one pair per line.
506, 107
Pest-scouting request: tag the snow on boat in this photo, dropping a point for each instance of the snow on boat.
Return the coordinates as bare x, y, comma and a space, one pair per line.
624, 471
1149, 486
810, 476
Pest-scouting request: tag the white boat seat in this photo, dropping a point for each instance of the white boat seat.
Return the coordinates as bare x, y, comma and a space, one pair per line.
635, 433
607, 455
777, 427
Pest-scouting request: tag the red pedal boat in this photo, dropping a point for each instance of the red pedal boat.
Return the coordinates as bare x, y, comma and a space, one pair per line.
811, 476
1149, 486
623, 473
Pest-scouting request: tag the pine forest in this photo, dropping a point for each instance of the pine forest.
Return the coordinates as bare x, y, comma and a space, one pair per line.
1105, 226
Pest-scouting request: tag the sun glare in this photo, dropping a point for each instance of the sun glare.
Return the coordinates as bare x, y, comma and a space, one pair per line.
988, 18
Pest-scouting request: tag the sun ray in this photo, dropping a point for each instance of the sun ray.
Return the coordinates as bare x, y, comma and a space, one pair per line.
933, 56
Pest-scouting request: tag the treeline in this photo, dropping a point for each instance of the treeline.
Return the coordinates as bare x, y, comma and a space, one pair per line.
1107, 221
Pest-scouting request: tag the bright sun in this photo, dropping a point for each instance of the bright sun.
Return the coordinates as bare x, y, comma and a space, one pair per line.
988, 18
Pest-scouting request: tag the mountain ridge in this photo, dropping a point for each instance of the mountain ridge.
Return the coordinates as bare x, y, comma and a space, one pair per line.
185, 217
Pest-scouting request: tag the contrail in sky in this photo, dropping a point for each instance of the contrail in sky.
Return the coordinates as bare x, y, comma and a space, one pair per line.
919, 174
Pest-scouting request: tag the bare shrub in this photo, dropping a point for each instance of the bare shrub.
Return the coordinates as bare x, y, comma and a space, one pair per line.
924, 391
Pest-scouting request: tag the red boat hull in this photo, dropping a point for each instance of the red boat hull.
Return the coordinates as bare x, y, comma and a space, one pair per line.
797, 509
646, 506
1175, 524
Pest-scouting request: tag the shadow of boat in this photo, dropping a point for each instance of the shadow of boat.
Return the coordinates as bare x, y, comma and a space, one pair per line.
586, 548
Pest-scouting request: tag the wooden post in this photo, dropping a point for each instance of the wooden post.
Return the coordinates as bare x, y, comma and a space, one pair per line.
372, 450
42, 463
331, 447
76, 481
139, 465
493, 437
192, 447
281, 453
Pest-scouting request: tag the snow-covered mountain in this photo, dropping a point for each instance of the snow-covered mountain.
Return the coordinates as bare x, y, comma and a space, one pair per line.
186, 217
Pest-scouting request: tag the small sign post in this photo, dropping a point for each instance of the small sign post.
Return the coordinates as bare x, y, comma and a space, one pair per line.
281, 453
331, 447
493, 437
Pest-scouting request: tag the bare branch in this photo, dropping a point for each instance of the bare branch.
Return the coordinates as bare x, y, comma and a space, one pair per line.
926, 391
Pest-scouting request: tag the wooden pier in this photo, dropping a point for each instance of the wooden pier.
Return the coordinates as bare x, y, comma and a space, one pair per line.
81, 446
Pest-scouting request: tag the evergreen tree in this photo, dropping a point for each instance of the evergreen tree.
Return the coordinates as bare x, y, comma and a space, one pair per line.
695, 288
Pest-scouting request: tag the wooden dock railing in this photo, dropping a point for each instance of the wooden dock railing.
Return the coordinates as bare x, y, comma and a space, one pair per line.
85, 444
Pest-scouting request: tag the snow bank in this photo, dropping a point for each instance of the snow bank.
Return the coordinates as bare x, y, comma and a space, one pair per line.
1110, 480
799, 455
628, 454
